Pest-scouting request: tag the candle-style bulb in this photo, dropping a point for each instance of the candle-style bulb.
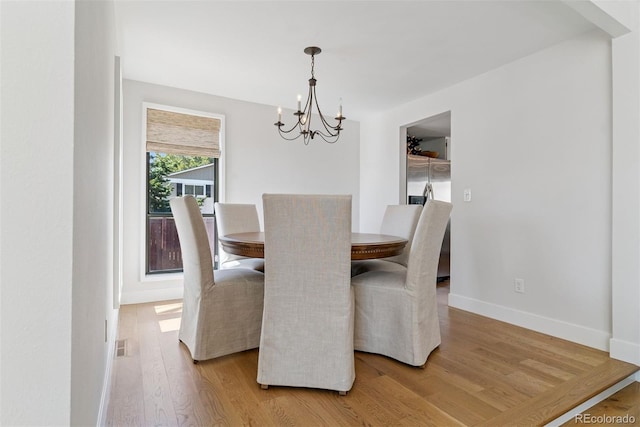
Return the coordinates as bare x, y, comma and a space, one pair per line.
299, 99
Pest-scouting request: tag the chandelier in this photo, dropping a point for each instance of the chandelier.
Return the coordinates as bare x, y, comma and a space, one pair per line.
303, 125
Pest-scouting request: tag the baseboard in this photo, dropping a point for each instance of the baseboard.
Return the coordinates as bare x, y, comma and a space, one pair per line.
625, 351
106, 382
557, 328
155, 295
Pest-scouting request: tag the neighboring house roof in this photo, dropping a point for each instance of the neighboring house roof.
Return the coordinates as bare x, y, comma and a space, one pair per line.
201, 172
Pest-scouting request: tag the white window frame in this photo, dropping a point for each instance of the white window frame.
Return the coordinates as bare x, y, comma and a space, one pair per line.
195, 183
158, 277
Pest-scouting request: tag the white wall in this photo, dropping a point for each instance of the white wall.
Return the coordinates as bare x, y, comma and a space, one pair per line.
625, 343
57, 139
379, 170
93, 182
532, 140
36, 211
256, 160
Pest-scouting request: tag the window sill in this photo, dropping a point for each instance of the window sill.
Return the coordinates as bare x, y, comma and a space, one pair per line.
162, 277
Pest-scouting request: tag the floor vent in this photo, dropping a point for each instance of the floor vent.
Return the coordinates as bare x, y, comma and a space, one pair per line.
121, 346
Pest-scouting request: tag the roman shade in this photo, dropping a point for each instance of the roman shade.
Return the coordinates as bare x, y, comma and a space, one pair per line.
186, 134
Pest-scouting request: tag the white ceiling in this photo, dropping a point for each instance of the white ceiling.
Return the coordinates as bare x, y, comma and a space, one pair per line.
432, 127
375, 54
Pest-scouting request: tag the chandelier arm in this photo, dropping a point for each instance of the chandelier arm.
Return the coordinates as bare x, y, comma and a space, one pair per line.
296, 126
299, 124
283, 136
331, 130
327, 126
326, 138
283, 131
308, 109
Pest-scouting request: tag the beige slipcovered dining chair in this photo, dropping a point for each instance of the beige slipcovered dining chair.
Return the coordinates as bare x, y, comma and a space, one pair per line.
397, 311
237, 218
307, 328
398, 220
221, 310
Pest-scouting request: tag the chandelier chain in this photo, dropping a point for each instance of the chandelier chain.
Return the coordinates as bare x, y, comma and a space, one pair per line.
313, 63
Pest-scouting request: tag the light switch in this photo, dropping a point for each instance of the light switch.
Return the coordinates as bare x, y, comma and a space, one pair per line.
467, 194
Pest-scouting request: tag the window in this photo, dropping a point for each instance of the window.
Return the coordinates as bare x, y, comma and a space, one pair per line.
182, 154
195, 190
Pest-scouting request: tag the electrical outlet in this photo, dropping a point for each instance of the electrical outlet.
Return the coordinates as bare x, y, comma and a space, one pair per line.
467, 195
518, 285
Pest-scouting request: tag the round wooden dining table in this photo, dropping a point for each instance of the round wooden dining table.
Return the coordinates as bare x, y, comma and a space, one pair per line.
363, 245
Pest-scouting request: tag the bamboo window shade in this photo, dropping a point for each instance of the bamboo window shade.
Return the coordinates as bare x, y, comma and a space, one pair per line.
186, 134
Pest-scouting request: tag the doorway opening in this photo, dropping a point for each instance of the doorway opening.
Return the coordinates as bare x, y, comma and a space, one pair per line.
428, 170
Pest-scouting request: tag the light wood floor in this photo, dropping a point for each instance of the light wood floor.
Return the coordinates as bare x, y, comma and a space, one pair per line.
485, 372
